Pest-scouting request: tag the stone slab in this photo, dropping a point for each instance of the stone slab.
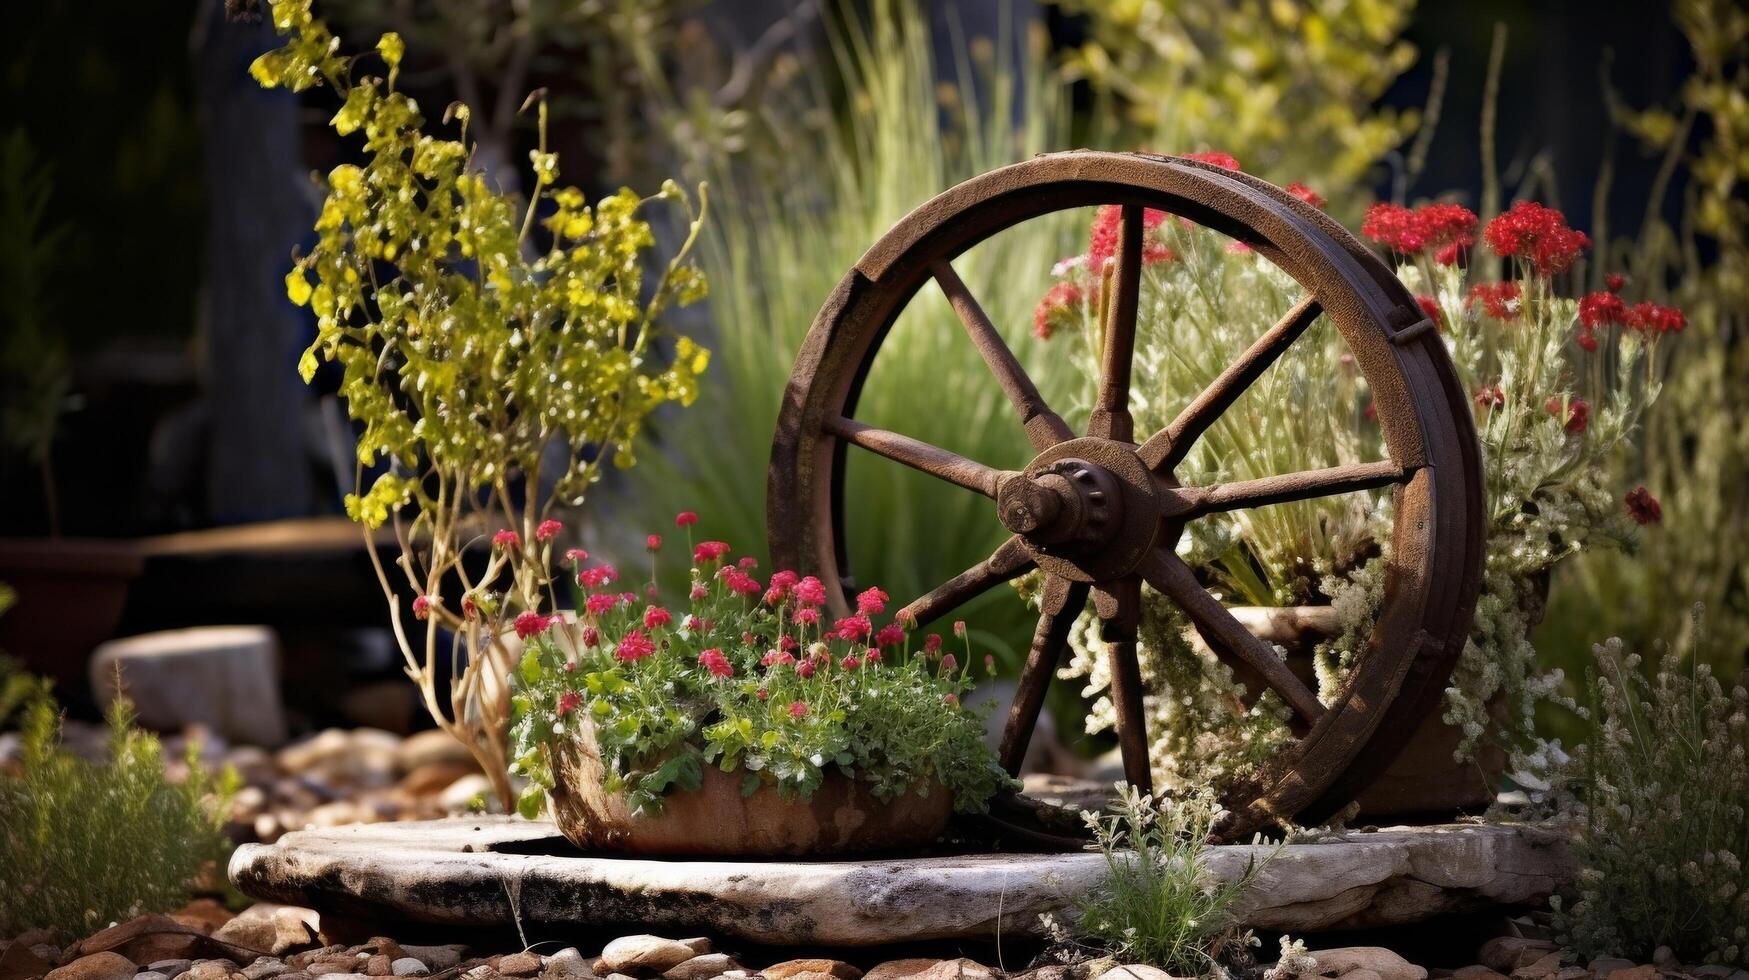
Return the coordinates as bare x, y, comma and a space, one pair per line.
484, 871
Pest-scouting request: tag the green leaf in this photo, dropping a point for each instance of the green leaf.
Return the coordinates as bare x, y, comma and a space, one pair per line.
531, 802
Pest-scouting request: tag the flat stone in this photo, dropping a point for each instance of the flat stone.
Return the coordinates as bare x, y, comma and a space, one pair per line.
1543, 967
1504, 954
97, 966
438, 958
1136, 971
148, 938
519, 964
211, 970
452, 872
407, 966
831, 968
1344, 961
265, 967
931, 969
268, 928
704, 966
645, 952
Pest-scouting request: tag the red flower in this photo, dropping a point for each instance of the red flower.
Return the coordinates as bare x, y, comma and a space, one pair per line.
1643, 507
1602, 309
1225, 161
656, 616
805, 670
598, 603
1430, 307
591, 637
810, 592
1371, 411
853, 628
634, 646
959, 627
850, 662
807, 616
1614, 282
871, 602
788, 643
763, 694
798, 709
1578, 413
1651, 318
1102, 240
1393, 226
548, 530
507, 539
1587, 340
709, 551
932, 643
1538, 235
653, 542
1450, 229
422, 607
595, 578
1499, 299
699, 592
1304, 193
469, 608
685, 518
748, 563
949, 664
1057, 301
951, 700
576, 555
714, 661
568, 701
890, 635
742, 584
532, 623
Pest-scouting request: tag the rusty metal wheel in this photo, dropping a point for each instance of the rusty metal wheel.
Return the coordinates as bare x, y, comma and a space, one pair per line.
1099, 513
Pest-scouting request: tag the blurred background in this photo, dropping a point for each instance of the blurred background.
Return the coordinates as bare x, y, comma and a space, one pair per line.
164, 466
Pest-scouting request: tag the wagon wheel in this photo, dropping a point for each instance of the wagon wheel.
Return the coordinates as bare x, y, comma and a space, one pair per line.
1099, 514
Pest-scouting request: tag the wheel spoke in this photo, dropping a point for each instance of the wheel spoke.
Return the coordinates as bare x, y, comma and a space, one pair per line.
1226, 635
1111, 413
1120, 608
1063, 602
1168, 447
1044, 427
1008, 561
917, 454
1184, 503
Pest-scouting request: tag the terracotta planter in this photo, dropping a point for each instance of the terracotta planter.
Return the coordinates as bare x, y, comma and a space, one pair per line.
1424, 779
842, 817
70, 597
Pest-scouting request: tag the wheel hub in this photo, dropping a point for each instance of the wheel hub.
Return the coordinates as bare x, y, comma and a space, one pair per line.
1087, 509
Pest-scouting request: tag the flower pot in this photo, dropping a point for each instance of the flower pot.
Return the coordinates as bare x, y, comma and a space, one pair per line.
70, 597
1424, 779
843, 816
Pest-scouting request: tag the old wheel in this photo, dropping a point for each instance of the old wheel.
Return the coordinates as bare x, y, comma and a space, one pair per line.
1099, 513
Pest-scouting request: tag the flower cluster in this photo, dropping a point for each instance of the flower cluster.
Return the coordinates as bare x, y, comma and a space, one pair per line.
1447, 230
1537, 235
751, 675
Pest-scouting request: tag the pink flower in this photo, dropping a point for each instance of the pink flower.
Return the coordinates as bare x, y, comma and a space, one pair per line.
422, 607
714, 661
788, 642
890, 635
949, 664
806, 616
1055, 307
1107, 224
655, 617
747, 563
532, 623
872, 657
810, 592
470, 609
653, 543
507, 539
853, 628
548, 530
805, 669
1306, 194
598, 603
1643, 507
709, 551
685, 518
1491, 398
932, 643
595, 578
699, 592
568, 701
763, 694
591, 637
951, 700
990, 664
634, 646
850, 662
959, 627
576, 555
798, 709
871, 602
1537, 234
742, 584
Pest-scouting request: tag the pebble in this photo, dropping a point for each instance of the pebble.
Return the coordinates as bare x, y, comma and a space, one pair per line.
1664, 958
408, 966
151, 975
210, 970
267, 966
438, 958
647, 952
1345, 961
519, 964
568, 962
795, 968
170, 967
706, 966
1504, 954
1544, 966
1603, 966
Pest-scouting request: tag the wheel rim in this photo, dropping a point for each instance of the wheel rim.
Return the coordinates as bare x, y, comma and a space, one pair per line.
1092, 511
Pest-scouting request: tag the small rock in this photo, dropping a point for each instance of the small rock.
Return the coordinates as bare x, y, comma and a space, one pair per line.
1572, 973
1503, 954
1603, 966
1633, 973
265, 967
146, 938
210, 970
438, 958
204, 915
1345, 960
407, 966
1664, 958
97, 966
481, 972
794, 968
932, 969
568, 962
702, 967
299, 961
899, 969
268, 928
1713, 971
432, 746
1545, 966
331, 967
379, 965
519, 964
151, 975
647, 952
1136, 971
170, 967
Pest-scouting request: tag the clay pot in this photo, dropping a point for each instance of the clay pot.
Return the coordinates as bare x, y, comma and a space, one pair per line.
70, 597
843, 816
1424, 779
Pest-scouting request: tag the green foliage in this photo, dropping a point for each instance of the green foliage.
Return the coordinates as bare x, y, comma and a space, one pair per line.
1661, 823
84, 844
1290, 86
748, 684
1160, 903
472, 358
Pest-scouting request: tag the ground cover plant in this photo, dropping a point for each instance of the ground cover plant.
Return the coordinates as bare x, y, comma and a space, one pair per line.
86, 843
494, 371
748, 676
